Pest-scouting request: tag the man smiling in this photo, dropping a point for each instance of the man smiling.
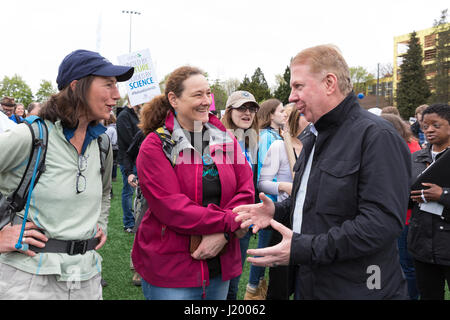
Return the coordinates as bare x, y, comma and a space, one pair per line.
350, 192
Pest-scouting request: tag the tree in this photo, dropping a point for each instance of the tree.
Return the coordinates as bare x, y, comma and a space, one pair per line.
440, 68
257, 86
220, 95
412, 89
46, 89
283, 90
359, 77
231, 85
17, 88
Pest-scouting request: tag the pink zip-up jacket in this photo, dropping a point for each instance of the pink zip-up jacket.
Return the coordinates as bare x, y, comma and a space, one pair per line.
174, 195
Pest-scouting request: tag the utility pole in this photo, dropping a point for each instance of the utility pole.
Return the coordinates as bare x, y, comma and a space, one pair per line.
378, 84
131, 14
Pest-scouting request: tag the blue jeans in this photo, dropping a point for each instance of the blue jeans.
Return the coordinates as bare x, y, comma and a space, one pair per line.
127, 201
407, 263
234, 283
217, 290
257, 273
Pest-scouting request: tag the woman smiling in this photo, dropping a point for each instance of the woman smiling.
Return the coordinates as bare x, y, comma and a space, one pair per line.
192, 174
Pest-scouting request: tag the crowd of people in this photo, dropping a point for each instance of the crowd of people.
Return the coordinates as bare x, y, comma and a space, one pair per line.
334, 193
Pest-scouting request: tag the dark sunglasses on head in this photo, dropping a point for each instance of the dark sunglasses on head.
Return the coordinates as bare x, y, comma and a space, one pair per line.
244, 108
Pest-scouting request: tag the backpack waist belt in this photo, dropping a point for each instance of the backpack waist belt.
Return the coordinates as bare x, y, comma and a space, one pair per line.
71, 247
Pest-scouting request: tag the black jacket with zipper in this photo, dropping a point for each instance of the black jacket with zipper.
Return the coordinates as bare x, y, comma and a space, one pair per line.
127, 127
355, 207
429, 234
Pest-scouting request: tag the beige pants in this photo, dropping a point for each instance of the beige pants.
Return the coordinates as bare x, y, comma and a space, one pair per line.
18, 285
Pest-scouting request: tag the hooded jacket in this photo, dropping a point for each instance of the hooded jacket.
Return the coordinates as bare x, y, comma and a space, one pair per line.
174, 195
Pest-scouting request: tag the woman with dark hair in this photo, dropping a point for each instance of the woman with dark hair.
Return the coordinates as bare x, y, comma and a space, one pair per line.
70, 203
192, 173
429, 236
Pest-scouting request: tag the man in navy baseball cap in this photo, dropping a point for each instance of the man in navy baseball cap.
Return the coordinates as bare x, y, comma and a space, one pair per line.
82, 63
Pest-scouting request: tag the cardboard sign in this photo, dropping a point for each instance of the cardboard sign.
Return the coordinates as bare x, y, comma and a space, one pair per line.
143, 86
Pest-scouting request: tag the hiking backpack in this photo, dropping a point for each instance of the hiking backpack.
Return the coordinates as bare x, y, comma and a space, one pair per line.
16, 201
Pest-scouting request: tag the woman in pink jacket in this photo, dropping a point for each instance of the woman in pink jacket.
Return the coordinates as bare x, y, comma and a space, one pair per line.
192, 174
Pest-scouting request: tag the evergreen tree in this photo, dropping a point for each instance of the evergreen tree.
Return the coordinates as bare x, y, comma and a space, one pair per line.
220, 95
245, 84
283, 91
441, 81
257, 86
412, 89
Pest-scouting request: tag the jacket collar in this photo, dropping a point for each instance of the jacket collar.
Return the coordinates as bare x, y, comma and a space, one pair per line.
218, 135
338, 114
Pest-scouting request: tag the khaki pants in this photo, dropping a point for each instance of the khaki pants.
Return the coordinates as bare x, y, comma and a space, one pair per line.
18, 285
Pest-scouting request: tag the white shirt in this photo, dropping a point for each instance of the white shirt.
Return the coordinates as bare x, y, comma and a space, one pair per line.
276, 164
5, 122
301, 194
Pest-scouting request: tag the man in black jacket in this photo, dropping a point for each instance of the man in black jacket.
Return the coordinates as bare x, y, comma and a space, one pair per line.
350, 192
126, 125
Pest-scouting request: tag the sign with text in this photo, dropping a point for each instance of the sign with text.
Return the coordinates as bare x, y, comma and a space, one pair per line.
143, 86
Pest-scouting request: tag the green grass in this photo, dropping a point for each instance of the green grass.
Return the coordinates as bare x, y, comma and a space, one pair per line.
116, 254
116, 257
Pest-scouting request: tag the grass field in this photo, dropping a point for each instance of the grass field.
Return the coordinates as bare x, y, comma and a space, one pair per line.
116, 257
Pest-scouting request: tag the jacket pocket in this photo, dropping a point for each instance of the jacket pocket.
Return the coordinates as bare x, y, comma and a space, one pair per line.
338, 187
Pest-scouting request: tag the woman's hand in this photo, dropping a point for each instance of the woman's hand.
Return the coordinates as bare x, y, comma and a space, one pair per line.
31, 236
132, 180
210, 246
433, 193
102, 238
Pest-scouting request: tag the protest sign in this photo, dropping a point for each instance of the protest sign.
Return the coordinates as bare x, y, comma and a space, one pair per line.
143, 86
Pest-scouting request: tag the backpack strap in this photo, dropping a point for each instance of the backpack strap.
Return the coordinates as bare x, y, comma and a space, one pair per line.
167, 144
39, 135
103, 145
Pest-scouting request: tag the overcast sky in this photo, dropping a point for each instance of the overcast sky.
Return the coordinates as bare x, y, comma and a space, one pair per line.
227, 39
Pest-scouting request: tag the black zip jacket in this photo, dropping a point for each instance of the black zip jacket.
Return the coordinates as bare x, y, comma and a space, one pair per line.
126, 125
429, 234
355, 208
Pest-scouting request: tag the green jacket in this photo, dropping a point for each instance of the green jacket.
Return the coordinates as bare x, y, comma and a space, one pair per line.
55, 205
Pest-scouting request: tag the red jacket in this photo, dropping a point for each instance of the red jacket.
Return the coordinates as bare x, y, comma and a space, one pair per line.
174, 195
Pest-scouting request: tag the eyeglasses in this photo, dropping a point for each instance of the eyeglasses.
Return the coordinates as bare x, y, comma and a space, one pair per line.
244, 108
81, 179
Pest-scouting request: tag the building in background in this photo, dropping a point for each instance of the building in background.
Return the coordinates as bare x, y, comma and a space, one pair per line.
427, 39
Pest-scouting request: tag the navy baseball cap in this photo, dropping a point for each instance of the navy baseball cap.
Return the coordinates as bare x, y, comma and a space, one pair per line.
82, 63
